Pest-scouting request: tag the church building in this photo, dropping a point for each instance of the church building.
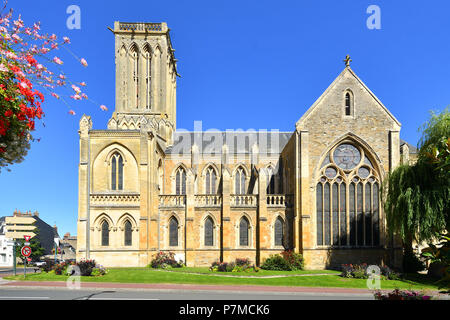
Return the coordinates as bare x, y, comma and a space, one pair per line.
146, 187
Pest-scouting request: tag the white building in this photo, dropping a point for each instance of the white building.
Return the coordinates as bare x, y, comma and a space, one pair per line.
6, 248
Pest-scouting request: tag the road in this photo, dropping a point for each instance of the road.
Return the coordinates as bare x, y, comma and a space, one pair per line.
41, 293
19, 270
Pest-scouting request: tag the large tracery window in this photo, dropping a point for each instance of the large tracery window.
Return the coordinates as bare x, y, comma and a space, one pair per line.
347, 199
116, 172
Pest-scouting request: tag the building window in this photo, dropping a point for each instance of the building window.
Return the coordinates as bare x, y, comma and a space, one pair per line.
135, 61
116, 172
148, 69
173, 232
348, 104
239, 181
210, 181
180, 181
244, 227
209, 232
279, 231
347, 175
105, 233
128, 238
271, 181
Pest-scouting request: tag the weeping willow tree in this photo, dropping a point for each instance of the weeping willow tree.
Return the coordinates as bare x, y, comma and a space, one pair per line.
416, 205
416, 197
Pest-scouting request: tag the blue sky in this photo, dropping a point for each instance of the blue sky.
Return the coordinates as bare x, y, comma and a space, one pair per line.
240, 59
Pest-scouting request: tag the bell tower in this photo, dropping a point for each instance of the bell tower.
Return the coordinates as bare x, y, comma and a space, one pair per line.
146, 75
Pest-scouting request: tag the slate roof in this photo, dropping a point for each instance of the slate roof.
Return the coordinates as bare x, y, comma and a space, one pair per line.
238, 142
2, 226
412, 149
46, 235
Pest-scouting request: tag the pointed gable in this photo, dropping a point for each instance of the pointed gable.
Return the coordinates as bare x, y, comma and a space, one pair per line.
332, 102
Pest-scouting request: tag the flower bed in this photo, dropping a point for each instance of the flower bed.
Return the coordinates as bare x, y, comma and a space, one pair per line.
239, 265
401, 295
164, 260
82, 268
359, 271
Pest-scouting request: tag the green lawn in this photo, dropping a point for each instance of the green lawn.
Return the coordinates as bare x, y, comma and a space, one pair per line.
260, 273
183, 276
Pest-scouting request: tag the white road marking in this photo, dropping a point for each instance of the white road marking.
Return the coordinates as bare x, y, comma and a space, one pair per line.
24, 298
121, 299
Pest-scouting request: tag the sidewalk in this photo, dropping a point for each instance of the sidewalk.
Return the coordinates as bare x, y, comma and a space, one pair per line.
183, 287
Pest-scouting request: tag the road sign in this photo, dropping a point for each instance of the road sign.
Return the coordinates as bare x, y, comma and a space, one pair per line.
26, 244
29, 259
26, 251
27, 238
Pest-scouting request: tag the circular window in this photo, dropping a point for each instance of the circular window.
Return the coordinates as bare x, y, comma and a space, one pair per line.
347, 156
363, 172
330, 172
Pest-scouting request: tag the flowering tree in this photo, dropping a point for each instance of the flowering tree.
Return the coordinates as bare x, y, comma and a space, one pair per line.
27, 62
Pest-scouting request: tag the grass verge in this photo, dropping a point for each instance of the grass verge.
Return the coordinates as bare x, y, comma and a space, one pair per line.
183, 276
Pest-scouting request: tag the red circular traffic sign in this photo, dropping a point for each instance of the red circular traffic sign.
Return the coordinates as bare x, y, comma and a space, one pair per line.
26, 251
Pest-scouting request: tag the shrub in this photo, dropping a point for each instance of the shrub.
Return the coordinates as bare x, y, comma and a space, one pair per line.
240, 265
287, 261
86, 267
295, 260
59, 268
401, 295
164, 260
389, 274
223, 267
276, 262
242, 262
99, 271
47, 266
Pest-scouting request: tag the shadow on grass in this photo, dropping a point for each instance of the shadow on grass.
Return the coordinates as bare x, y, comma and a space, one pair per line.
423, 279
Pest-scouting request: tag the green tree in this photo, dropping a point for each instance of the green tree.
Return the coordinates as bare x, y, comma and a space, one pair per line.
37, 250
416, 196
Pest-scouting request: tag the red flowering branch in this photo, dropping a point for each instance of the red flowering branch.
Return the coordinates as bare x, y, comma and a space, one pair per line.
26, 62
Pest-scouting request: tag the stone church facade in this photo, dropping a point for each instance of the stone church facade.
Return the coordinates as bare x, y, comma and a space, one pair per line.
207, 196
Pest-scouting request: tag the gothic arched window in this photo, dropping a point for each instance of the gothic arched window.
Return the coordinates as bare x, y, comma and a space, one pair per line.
105, 233
116, 172
128, 238
348, 103
210, 181
134, 52
347, 175
244, 227
173, 232
279, 231
239, 181
180, 181
209, 232
148, 76
270, 181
